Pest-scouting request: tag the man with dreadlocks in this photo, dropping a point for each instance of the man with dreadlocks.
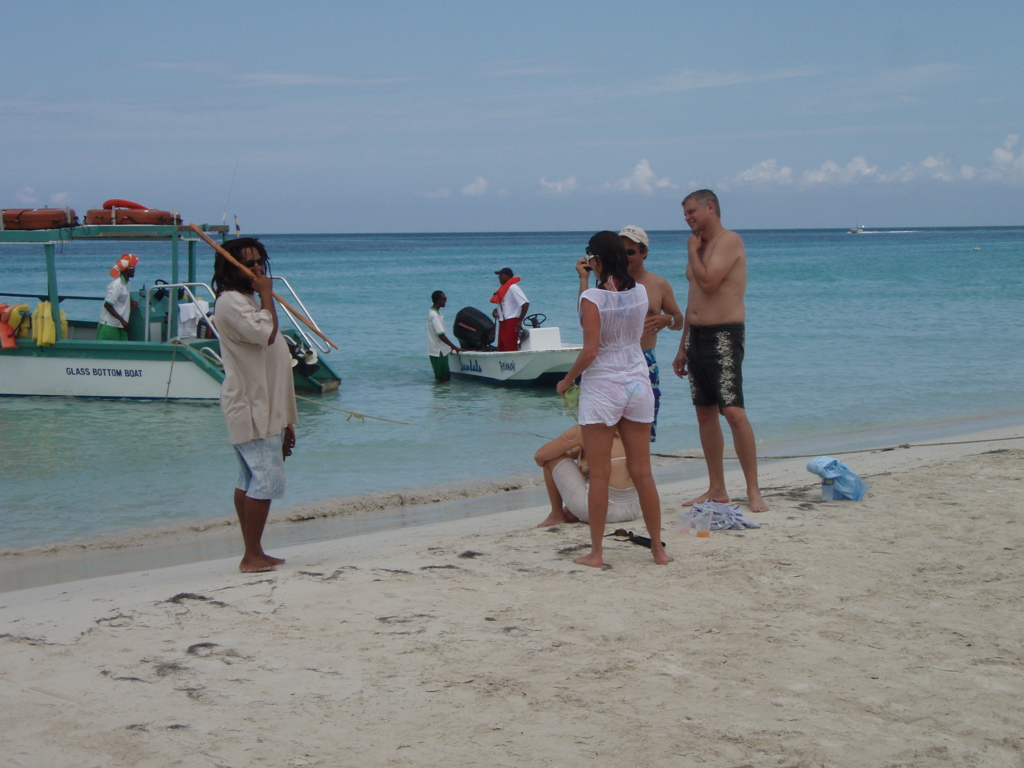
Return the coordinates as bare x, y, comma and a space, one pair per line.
258, 394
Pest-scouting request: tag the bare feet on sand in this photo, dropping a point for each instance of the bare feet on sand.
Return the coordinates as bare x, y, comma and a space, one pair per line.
256, 565
662, 557
260, 563
756, 503
558, 518
720, 498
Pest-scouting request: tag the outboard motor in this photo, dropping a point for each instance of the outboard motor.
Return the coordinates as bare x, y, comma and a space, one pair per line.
473, 329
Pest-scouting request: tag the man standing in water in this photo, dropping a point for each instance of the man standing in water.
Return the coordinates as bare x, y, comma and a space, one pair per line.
662, 310
511, 310
712, 344
436, 337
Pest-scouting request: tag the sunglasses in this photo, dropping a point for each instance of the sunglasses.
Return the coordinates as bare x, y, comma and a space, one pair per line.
253, 263
631, 252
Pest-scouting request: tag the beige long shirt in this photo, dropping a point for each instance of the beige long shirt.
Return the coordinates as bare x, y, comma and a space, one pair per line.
258, 393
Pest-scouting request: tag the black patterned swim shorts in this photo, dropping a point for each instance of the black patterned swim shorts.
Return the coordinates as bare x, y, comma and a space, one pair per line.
714, 358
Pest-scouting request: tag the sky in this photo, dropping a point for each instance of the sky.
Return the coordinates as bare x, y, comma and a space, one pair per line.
397, 116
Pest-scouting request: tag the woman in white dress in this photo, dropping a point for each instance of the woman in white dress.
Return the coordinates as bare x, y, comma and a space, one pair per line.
616, 389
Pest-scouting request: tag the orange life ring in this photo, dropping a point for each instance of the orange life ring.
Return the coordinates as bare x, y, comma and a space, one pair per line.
116, 202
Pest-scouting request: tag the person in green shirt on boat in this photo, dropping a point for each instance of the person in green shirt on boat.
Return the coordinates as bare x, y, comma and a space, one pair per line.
117, 305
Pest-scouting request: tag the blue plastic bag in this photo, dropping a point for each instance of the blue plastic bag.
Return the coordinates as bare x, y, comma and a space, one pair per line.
846, 484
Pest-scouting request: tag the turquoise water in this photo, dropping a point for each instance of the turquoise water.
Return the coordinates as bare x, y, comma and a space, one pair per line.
852, 341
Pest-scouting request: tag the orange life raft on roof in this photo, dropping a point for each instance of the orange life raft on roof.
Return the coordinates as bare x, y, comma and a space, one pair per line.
118, 211
38, 218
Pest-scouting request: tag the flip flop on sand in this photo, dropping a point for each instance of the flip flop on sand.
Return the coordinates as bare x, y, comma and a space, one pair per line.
623, 535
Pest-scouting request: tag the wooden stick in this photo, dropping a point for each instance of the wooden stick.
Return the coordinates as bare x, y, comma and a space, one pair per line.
248, 273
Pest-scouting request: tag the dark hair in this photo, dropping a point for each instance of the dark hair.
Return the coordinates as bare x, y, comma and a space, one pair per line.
436, 296
226, 276
703, 197
608, 247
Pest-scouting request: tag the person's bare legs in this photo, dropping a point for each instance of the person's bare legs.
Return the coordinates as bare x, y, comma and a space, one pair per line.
597, 446
712, 442
252, 518
559, 514
636, 440
746, 452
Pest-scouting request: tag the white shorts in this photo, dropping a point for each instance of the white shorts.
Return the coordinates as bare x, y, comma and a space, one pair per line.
261, 468
623, 503
606, 401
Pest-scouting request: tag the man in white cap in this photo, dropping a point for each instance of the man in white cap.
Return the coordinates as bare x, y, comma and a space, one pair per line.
662, 310
117, 306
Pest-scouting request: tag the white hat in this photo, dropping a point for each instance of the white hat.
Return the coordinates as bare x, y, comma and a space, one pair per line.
635, 234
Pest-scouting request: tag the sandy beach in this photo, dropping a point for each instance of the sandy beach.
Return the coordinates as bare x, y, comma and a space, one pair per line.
885, 632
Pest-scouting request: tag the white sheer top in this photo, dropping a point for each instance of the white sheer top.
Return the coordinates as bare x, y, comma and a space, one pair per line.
619, 356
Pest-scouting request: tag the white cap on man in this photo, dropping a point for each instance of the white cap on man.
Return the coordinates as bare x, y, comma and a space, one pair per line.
635, 234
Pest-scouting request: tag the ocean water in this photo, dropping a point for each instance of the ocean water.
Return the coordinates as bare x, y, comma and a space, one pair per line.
853, 341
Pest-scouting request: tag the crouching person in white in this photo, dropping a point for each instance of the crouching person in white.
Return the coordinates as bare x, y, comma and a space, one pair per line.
565, 477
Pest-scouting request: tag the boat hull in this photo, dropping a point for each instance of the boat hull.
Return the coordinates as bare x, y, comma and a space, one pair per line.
108, 369
130, 370
521, 368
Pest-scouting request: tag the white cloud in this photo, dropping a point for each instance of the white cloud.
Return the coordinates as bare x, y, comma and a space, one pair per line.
1005, 164
642, 180
438, 194
559, 188
830, 172
476, 187
27, 196
765, 172
293, 79
921, 75
692, 79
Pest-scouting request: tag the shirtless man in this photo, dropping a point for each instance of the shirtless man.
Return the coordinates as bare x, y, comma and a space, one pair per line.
712, 344
662, 310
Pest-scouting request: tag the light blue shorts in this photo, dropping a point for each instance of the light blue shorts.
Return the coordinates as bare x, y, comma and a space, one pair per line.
261, 468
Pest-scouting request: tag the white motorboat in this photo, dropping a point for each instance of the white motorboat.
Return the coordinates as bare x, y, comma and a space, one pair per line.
541, 359
856, 230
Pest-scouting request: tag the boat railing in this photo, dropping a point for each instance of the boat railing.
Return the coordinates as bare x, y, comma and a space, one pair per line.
310, 340
186, 289
213, 354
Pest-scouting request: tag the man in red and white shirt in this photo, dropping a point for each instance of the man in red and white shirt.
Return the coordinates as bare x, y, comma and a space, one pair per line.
511, 310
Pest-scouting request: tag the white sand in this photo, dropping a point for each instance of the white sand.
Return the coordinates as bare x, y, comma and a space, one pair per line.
885, 632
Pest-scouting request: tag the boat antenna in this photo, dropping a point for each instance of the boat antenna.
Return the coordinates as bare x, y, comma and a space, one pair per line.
224, 217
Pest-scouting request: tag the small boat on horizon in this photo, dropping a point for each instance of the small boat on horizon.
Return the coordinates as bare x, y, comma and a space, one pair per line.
856, 230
